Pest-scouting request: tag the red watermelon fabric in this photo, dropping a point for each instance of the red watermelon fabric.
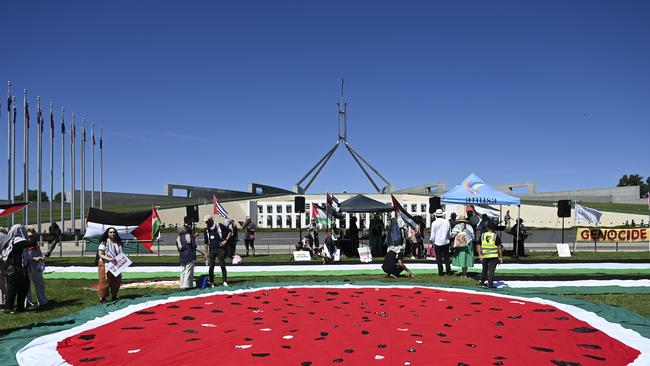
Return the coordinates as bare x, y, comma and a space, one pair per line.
353, 326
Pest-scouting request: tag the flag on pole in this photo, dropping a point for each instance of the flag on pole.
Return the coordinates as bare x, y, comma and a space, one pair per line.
399, 210
333, 203
62, 124
9, 103
218, 209
92, 135
27, 115
156, 223
52, 121
11, 208
318, 213
39, 119
136, 225
590, 215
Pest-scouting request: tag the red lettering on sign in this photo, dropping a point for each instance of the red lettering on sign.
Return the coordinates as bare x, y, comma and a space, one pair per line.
644, 235
585, 234
621, 235
611, 234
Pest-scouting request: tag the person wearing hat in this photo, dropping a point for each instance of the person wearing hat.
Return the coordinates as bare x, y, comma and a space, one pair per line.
491, 253
216, 237
463, 234
440, 230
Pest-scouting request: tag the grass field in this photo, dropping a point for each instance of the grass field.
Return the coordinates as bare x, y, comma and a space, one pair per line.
70, 295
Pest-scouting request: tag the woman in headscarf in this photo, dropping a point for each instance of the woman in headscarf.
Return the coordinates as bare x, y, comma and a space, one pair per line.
393, 263
110, 246
14, 270
463, 234
35, 264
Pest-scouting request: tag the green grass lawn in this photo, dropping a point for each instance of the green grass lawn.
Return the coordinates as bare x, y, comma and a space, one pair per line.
68, 295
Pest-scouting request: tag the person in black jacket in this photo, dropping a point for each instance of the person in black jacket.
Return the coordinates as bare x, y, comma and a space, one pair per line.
15, 273
216, 238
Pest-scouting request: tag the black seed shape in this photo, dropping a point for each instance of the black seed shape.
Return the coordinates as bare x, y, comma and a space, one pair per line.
191, 331
132, 328
499, 323
500, 358
87, 348
173, 307
172, 323
584, 330
291, 291
470, 345
92, 359
498, 336
338, 360
441, 334
590, 346
541, 349
562, 318
496, 309
187, 317
565, 363
294, 331
216, 311
324, 334
229, 331
345, 302
547, 330
447, 325
287, 347
144, 312
381, 346
544, 310
475, 303
258, 318
514, 316
333, 293
596, 357
418, 292
311, 313
235, 303
381, 300
247, 339
416, 335
150, 319
319, 338
498, 363
462, 364
285, 321
349, 350
192, 339
411, 350
305, 363
364, 332
449, 307
87, 337
260, 354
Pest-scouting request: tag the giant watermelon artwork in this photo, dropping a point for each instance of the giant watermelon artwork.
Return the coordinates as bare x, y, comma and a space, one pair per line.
346, 324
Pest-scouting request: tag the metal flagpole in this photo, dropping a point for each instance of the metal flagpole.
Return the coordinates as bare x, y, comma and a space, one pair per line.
82, 199
9, 149
13, 157
39, 125
92, 165
26, 157
72, 176
51, 162
101, 168
62, 213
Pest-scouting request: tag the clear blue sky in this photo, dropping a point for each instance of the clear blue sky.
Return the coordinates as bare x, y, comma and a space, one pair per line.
225, 94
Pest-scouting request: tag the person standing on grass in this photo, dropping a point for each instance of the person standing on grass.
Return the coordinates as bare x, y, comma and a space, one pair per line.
440, 239
491, 253
186, 245
249, 235
110, 246
35, 264
14, 271
216, 237
463, 235
3, 281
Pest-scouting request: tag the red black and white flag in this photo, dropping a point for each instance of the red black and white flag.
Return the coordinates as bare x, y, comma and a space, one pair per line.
8, 209
401, 212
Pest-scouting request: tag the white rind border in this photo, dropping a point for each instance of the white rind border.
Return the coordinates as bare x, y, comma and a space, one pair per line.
42, 350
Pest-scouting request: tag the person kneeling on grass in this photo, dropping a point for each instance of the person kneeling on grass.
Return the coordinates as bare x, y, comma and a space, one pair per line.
393, 264
490, 251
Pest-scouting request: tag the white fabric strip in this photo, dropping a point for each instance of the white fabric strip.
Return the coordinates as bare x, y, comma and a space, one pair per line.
579, 283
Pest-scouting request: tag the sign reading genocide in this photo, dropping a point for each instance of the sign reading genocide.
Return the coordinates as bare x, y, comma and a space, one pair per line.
614, 235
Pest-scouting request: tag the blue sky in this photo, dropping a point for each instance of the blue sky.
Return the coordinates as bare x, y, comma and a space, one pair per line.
223, 94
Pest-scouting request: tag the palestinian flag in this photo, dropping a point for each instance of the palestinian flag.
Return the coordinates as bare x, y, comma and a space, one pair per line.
333, 207
318, 213
135, 228
401, 212
9, 208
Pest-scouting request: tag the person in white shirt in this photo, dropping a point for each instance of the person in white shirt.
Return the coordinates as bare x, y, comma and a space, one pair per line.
110, 246
440, 229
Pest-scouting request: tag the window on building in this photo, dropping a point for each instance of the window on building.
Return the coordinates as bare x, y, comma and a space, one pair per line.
289, 209
278, 208
298, 223
269, 221
260, 220
278, 221
423, 207
260, 209
269, 209
414, 207
288, 222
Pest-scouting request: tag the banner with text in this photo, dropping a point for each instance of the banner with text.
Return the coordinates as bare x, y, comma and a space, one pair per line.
630, 235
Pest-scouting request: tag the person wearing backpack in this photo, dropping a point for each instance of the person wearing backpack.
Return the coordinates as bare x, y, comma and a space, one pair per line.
463, 235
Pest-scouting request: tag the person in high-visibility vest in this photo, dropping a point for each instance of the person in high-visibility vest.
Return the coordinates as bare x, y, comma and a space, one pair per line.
490, 251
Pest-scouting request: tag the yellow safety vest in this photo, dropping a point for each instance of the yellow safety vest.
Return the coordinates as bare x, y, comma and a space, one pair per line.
489, 245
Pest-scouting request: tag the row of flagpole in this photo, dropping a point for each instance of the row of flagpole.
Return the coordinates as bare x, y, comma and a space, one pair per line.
11, 162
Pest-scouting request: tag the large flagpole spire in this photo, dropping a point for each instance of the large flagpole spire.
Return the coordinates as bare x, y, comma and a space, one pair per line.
72, 175
62, 213
26, 158
101, 168
82, 199
9, 149
51, 162
39, 125
13, 155
92, 165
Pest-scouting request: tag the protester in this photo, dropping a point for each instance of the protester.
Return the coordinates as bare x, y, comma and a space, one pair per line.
353, 232
394, 233
518, 248
53, 238
186, 245
313, 233
34, 262
3, 281
507, 219
375, 232
440, 239
421, 230
491, 253
110, 246
216, 237
329, 248
15, 273
231, 248
249, 235
463, 235
452, 223
393, 263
